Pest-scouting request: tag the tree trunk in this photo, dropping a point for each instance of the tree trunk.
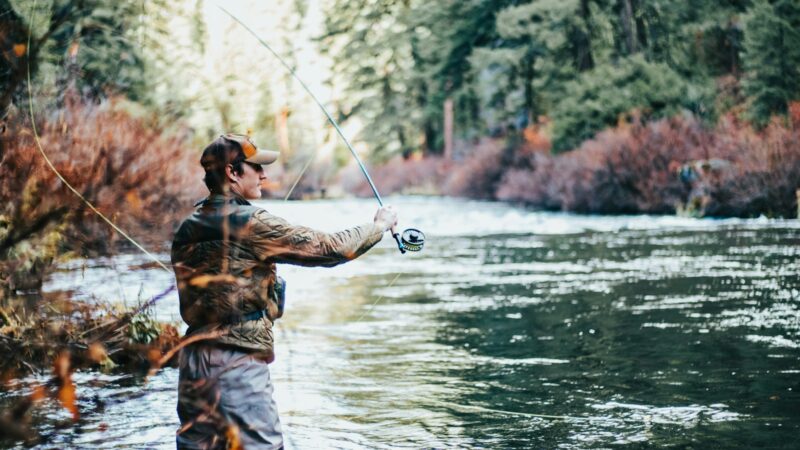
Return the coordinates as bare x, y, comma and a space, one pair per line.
641, 27
282, 128
584, 59
626, 17
530, 101
797, 195
448, 129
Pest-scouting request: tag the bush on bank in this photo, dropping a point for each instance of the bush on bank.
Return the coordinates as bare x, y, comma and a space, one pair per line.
668, 166
135, 174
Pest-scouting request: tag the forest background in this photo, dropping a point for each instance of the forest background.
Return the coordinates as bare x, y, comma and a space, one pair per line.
591, 106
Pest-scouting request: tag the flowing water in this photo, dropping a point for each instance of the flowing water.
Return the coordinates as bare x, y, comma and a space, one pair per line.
512, 329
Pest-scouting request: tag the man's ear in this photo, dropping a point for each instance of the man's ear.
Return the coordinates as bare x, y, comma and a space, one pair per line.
230, 174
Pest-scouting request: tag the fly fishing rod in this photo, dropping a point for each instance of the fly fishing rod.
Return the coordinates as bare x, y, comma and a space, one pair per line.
412, 239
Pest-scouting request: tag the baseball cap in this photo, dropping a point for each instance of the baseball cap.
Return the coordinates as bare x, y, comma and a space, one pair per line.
231, 147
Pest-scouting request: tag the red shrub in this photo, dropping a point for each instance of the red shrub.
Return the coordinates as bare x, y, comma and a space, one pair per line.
766, 172
634, 169
656, 167
139, 177
477, 176
413, 175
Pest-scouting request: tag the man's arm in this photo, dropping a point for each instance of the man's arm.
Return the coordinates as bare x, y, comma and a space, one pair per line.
276, 239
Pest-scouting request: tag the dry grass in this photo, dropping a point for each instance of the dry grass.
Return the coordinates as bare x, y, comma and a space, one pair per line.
58, 334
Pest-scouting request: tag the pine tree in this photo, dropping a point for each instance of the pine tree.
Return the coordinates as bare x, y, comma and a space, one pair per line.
93, 46
772, 57
375, 55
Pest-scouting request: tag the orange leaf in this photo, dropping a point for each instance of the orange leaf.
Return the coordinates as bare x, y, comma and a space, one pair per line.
97, 352
66, 390
38, 393
133, 199
204, 280
232, 436
61, 366
66, 395
19, 49
73, 49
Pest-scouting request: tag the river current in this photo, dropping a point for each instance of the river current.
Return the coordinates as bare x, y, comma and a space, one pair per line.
511, 329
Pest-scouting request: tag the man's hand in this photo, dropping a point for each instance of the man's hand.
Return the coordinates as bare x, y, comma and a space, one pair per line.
386, 218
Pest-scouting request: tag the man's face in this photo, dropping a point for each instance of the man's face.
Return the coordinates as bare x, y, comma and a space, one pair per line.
249, 182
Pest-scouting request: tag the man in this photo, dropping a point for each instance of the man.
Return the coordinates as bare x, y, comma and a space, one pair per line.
225, 257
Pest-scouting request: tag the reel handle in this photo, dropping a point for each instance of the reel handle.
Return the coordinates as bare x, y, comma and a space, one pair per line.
411, 240
400, 245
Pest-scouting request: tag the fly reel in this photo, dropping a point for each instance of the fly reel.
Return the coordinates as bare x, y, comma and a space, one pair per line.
411, 240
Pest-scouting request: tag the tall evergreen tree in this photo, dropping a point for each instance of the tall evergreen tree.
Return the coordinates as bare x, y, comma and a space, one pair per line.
95, 46
456, 30
373, 47
583, 63
541, 45
772, 57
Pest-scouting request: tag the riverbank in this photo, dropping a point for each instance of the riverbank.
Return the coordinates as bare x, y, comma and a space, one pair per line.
34, 331
671, 166
54, 334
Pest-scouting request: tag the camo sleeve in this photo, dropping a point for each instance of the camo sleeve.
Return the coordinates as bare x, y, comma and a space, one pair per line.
275, 239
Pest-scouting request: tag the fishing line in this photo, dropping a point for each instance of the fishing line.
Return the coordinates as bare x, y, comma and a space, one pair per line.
372, 306
86, 201
52, 166
303, 171
115, 227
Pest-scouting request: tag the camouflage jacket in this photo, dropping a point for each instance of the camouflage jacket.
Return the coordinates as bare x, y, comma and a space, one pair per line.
224, 257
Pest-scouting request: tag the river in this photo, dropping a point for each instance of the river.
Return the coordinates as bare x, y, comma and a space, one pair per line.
511, 329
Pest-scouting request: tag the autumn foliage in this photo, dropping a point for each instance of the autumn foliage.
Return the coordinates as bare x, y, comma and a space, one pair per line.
413, 175
70, 336
138, 176
661, 167
636, 168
